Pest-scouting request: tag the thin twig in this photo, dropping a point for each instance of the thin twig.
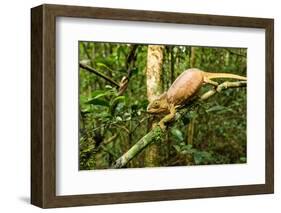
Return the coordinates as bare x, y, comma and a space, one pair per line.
122, 127
109, 140
92, 70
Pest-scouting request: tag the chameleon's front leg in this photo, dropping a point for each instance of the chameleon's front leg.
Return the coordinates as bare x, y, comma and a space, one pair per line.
168, 117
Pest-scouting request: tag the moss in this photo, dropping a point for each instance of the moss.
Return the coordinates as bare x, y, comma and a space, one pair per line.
158, 134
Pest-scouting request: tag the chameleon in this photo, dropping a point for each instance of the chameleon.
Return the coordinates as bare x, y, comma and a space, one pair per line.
182, 90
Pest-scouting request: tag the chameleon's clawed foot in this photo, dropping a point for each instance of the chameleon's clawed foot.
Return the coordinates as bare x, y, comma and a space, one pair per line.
162, 125
223, 85
168, 117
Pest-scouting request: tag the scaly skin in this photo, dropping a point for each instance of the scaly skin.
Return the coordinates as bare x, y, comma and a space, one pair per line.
182, 90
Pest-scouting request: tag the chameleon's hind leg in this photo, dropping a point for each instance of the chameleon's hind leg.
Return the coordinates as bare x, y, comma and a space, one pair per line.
209, 81
168, 117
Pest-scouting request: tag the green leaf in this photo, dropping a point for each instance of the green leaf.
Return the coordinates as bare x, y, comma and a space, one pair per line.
187, 149
197, 157
192, 114
243, 159
99, 102
108, 87
177, 148
85, 61
185, 119
86, 110
127, 116
202, 157
215, 108
115, 103
177, 134
119, 108
219, 109
118, 118
117, 100
98, 93
100, 96
135, 71
83, 99
100, 64
188, 146
144, 103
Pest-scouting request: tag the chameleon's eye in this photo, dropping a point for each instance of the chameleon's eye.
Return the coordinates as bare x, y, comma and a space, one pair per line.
156, 103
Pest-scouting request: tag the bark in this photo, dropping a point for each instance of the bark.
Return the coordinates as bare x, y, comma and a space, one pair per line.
154, 71
154, 88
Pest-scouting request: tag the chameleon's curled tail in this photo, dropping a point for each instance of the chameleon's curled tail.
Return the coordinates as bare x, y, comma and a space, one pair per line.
211, 75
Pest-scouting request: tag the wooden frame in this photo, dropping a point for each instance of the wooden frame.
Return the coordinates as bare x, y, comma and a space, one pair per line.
43, 106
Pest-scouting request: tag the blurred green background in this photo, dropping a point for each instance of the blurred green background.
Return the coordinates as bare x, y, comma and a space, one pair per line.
110, 123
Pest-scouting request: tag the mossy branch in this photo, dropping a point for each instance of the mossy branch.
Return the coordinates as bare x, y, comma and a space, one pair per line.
156, 133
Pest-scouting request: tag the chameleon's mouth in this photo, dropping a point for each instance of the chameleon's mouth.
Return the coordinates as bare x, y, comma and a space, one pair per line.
150, 110
158, 110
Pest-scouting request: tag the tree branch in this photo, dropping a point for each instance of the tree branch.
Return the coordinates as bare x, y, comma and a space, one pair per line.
223, 86
156, 133
92, 70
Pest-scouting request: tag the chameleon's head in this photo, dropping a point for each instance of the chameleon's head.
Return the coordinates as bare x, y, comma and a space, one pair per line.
158, 105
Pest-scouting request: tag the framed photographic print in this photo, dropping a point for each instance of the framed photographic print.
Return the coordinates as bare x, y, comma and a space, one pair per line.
136, 106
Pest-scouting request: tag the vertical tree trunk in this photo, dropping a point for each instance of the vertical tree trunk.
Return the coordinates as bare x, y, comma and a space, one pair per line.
192, 57
153, 82
190, 131
190, 126
172, 61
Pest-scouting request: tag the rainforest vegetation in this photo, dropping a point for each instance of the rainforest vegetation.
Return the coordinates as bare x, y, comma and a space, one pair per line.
114, 80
